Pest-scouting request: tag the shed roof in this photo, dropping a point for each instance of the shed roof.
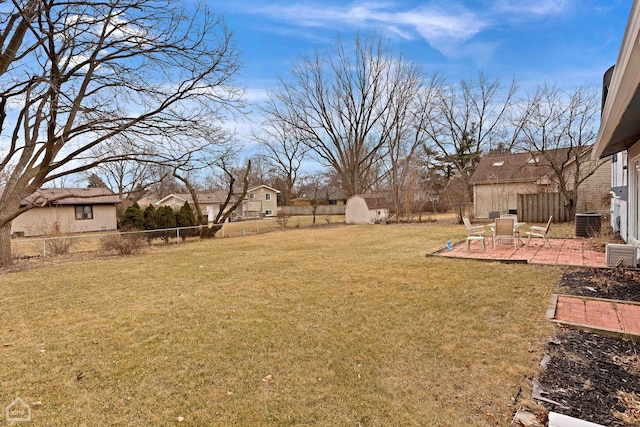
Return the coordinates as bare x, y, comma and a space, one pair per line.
374, 201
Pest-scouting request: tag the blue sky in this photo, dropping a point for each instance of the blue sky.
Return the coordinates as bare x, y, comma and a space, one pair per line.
568, 42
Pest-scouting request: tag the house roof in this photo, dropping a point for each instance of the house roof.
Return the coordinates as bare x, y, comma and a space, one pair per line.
70, 196
263, 186
518, 167
374, 201
203, 198
337, 194
620, 119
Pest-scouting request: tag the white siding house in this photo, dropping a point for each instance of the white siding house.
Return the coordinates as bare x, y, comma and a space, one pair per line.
261, 201
619, 134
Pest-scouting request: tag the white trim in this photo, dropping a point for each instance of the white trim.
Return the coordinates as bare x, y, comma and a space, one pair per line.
167, 197
263, 186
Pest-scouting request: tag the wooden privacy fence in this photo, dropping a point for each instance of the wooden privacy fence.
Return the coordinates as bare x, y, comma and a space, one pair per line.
308, 210
539, 207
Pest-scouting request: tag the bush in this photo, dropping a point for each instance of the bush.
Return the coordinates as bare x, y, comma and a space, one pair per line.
149, 218
59, 245
186, 218
124, 244
133, 217
165, 218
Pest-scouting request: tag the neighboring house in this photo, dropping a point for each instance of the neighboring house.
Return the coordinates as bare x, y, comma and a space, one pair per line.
619, 134
331, 197
261, 201
146, 200
210, 203
367, 209
67, 210
499, 178
337, 197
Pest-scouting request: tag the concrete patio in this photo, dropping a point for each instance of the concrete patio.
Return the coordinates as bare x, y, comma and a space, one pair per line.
566, 252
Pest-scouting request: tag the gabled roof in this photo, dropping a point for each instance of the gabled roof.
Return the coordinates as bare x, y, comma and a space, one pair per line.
263, 186
520, 167
203, 198
70, 196
374, 201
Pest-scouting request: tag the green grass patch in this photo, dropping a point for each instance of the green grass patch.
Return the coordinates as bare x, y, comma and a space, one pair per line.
346, 325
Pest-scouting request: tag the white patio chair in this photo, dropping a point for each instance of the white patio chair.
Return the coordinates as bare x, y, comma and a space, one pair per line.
473, 230
541, 232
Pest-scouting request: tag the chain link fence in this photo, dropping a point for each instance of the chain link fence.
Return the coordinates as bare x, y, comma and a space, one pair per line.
27, 247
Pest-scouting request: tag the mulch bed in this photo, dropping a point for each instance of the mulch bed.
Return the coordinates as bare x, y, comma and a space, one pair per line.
591, 375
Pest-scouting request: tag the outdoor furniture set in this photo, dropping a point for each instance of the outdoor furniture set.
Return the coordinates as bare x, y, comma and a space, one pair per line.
506, 228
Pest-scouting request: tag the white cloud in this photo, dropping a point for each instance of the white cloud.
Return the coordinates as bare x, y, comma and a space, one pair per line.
441, 27
529, 7
453, 27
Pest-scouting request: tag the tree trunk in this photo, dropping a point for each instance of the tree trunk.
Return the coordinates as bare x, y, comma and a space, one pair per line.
5, 245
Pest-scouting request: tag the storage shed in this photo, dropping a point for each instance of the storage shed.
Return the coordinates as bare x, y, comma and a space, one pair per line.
367, 209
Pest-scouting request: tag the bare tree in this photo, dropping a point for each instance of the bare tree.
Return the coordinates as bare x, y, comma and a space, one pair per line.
340, 104
285, 151
127, 177
142, 73
468, 120
314, 188
559, 128
403, 171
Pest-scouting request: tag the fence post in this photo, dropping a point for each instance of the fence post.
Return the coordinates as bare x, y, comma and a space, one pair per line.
44, 248
178, 235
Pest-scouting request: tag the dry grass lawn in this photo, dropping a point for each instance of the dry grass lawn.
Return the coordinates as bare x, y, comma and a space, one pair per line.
333, 326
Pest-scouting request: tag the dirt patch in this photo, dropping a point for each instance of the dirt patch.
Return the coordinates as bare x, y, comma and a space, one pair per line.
621, 285
594, 377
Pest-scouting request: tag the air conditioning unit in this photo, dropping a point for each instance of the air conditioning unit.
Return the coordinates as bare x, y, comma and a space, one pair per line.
621, 255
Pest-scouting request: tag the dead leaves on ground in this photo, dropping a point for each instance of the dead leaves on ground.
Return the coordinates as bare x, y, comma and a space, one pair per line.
630, 417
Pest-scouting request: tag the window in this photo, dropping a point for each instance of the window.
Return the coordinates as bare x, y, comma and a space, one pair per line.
252, 196
84, 212
267, 197
268, 212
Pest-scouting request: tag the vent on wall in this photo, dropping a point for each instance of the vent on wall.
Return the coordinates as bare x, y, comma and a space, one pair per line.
621, 255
